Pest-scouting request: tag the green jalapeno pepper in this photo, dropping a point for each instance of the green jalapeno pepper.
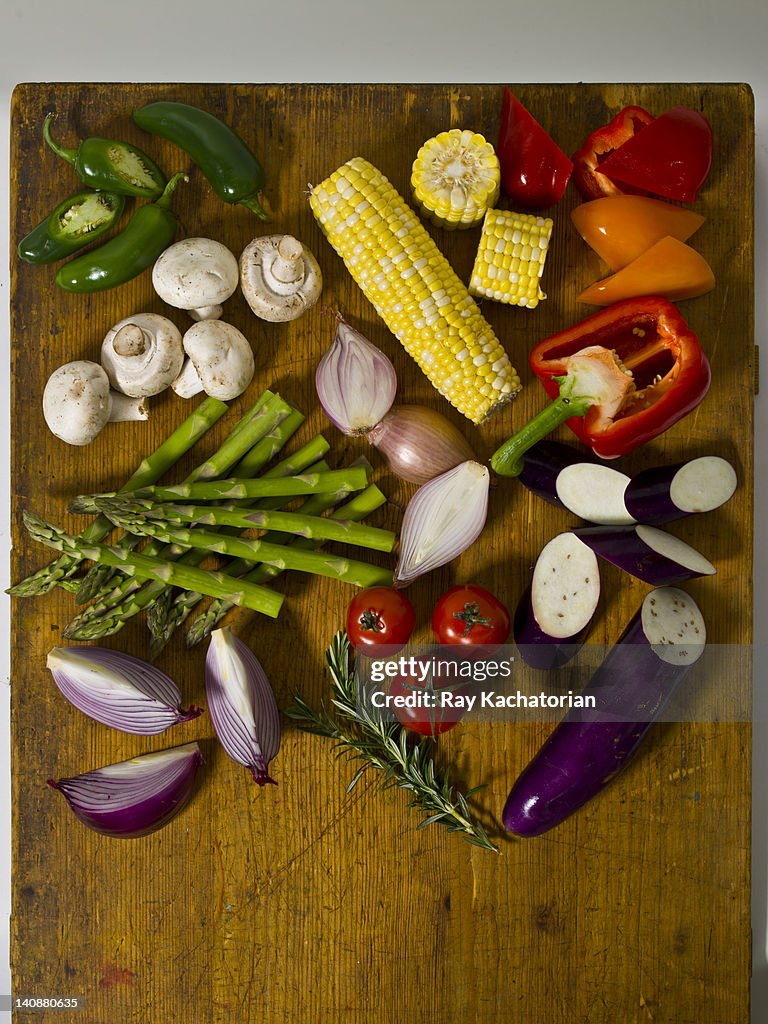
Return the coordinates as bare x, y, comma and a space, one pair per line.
114, 166
74, 223
235, 174
151, 230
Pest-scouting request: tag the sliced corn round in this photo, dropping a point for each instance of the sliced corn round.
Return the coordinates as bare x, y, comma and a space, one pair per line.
455, 178
510, 258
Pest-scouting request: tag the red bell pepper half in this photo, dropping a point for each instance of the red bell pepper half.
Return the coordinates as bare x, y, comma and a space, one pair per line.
534, 170
619, 378
671, 157
588, 174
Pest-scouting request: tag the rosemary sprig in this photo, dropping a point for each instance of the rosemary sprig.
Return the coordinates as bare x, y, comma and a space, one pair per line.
387, 747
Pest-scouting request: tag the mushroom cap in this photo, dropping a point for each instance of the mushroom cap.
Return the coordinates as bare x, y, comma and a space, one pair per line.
280, 277
195, 272
77, 401
222, 357
145, 361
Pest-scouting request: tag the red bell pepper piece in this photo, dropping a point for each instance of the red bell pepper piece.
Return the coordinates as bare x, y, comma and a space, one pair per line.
534, 170
619, 378
671, 157
588, 174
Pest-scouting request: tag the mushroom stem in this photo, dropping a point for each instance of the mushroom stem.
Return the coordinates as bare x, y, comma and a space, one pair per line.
125, 408
130, 341
188, 383
288, 266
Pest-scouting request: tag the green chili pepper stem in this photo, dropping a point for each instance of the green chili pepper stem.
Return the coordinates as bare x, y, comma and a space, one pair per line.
254, 204
70, 155
164, 202
507, 460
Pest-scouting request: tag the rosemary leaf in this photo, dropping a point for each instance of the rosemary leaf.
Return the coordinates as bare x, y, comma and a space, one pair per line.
387, 747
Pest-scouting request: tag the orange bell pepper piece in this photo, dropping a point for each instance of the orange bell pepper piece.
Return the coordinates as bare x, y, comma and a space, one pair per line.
669, 268
621, 228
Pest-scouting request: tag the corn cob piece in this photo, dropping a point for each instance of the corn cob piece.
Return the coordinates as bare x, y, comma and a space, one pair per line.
455, 178
413, 288
510, 258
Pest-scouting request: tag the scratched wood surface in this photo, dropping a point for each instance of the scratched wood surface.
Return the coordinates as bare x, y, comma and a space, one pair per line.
303, 903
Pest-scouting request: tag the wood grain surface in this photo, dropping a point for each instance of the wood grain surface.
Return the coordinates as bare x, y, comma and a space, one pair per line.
303, 903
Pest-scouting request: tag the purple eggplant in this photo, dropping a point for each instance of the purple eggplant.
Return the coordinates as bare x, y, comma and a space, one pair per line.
650, 555
554, 614
672, 492
572, 481
590, 747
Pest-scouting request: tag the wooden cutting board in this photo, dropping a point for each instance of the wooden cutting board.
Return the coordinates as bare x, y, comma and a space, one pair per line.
303, 903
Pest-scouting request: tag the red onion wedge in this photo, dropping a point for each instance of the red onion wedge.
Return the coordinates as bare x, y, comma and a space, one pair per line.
646, 553
630, 689
667, 493
241, 704
555, 612
118, 690
135, 797
443, 518
355, 382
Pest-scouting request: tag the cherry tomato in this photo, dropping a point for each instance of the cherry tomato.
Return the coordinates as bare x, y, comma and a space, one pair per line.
469, 615
380, 616
424, 720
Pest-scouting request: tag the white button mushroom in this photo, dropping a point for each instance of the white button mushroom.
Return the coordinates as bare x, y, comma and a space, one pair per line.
142, 354
279, 277
220, 361
77, 402
196, 274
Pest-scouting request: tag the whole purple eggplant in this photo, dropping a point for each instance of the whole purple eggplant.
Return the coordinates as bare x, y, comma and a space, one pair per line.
590, 747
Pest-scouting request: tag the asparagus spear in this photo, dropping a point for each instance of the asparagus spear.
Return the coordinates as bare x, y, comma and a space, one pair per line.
234, 489
361, 574
215, 584
170, 517
148, 471
359, 507
263, 416
110, 614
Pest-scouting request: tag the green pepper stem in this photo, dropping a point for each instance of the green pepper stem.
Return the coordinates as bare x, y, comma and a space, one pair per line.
70, 155
254, 204
164, 202
508, 459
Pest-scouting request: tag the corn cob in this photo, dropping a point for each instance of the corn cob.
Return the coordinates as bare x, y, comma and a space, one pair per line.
394, 260
510, 258
456, 178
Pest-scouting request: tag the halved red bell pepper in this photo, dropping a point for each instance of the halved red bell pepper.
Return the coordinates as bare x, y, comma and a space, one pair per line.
670, 158
534, 170
618, 379
587, 171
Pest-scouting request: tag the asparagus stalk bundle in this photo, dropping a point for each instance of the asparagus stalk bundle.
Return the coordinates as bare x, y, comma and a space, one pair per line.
110, 613
362, 574
133, 563
360, 506
150, 469
267, 412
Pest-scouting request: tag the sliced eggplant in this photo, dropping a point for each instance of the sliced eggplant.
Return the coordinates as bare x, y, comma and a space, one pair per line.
570, 480
543, 463
650, 555
671, 492
554, 614
589, 748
